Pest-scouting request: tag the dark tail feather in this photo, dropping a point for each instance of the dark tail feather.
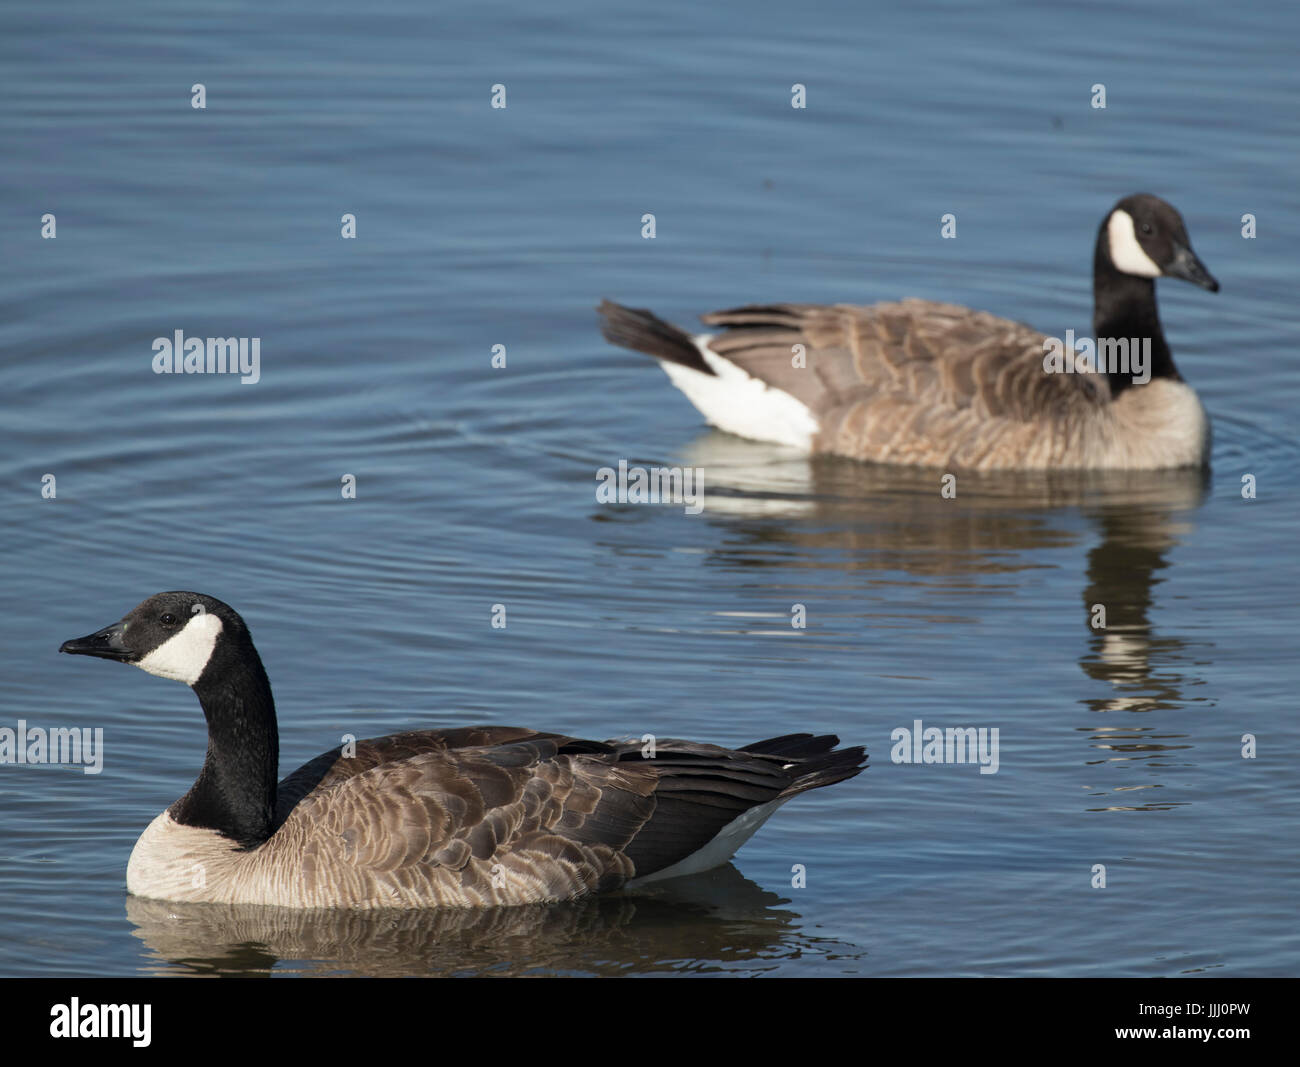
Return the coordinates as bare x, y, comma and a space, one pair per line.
820, 763
800, 745
702, 788
643, 331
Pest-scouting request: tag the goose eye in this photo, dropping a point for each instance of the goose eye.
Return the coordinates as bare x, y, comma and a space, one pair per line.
1146, 227
168, 618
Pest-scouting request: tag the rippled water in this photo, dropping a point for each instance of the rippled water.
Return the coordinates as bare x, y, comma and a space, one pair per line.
478, 227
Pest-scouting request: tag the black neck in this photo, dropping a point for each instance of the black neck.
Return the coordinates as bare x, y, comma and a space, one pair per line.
1124, 305
234, 794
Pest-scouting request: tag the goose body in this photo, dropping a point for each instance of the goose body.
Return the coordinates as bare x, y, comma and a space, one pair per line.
471, 817
930, 384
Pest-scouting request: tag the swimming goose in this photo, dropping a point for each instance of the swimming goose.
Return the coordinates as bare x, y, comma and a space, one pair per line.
473, 817
930, 384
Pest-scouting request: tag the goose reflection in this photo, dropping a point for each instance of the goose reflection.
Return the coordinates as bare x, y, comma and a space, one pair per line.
1139, 666
719, 922
883, 517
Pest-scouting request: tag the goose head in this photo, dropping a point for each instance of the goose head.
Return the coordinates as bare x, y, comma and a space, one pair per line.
173, 635
1145, 237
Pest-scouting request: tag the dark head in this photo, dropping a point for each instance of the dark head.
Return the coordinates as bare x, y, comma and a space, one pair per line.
1141, 239
173, 635
1145, 237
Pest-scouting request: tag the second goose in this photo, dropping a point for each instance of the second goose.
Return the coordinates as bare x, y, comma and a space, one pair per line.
930, 384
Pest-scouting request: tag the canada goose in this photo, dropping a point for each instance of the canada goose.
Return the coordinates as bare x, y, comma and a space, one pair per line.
470, 817
929, 384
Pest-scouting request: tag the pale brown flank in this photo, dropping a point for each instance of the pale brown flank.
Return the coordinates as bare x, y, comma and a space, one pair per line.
930, 384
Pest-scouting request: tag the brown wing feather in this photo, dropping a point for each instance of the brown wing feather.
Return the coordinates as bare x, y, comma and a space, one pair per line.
914, 381
500, 815
460, 817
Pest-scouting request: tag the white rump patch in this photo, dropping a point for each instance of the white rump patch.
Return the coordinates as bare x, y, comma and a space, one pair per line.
741, 404
720, 849
1125, 252
184, 656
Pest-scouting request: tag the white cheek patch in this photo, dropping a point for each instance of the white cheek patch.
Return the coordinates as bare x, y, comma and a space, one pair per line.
1125, 252
184, 656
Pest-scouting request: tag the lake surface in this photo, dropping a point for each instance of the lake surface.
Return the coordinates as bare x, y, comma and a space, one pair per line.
474, 485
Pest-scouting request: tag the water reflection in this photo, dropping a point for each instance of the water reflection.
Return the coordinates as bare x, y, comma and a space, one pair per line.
1138, 666
719, 923
884, 517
